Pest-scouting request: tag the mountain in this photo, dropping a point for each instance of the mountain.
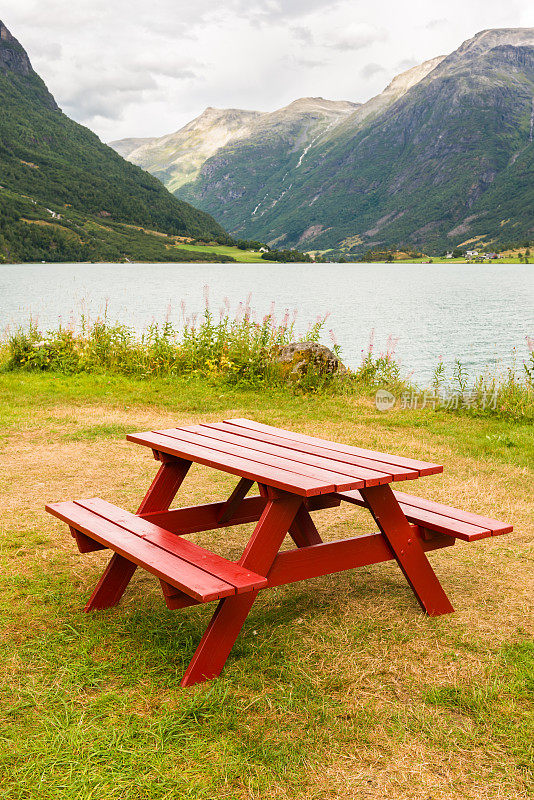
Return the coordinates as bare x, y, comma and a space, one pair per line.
48, 161
177, 158
443, 156
450, 161
276, 139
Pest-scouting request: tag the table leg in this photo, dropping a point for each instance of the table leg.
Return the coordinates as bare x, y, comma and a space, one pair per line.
235, 499
119, 571
223, 629
407, 550
163, 488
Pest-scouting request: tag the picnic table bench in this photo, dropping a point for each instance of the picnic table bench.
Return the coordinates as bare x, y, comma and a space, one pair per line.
296, 475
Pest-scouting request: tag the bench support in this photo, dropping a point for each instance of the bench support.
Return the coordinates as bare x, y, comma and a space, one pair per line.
326, 558
112, 585
118, 573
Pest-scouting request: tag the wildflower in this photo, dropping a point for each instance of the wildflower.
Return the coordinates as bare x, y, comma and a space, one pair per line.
391, 346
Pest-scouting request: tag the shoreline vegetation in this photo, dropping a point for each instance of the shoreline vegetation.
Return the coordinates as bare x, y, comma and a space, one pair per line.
237, 350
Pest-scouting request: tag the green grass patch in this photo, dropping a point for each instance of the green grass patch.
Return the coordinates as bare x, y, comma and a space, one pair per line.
498, 708
243, 256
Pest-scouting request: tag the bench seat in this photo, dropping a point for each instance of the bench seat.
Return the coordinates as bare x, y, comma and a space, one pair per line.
440, 518
200, 574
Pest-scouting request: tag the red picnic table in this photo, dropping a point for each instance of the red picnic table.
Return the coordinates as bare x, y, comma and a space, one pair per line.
296, 475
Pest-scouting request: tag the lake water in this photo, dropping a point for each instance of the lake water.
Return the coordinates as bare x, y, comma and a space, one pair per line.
477, 313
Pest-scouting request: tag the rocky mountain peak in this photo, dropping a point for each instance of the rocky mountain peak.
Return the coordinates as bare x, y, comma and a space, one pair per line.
13, 57
211, 116
482, 44
497, 37
314, 105
405, 80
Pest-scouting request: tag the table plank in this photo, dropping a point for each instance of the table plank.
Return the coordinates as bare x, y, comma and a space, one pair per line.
370, 476
422, 467
278, 478
283, 461
346, 460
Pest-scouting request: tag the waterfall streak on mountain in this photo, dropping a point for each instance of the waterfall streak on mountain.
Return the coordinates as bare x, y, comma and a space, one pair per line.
307, 148
267, 195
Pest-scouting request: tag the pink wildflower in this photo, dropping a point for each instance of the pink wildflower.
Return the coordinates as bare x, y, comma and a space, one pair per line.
285, 319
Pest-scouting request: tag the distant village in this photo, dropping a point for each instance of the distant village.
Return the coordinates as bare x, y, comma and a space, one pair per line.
477, 256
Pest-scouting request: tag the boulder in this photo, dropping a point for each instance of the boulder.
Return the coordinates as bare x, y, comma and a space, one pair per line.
297, 358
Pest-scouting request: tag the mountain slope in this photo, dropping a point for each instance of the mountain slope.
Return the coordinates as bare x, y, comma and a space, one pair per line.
252, 175
444, 155
53, 160
249, 184
451, 160
394, 91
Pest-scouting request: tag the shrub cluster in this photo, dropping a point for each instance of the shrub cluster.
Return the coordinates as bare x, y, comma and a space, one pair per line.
235, 348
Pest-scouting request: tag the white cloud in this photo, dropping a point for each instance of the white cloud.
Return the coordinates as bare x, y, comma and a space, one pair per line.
355, 37
371, 70
434, 24
131, 68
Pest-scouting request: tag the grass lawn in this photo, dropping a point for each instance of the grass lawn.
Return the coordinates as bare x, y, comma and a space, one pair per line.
336, 688
245, 256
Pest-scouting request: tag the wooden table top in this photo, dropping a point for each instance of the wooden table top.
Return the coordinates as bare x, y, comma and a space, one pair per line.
293, 462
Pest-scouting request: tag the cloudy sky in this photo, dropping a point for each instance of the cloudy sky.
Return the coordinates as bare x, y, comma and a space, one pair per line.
137, 68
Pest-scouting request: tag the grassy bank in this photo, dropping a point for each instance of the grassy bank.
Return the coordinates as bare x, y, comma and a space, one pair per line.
237, 349
337, 688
